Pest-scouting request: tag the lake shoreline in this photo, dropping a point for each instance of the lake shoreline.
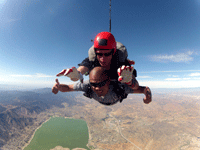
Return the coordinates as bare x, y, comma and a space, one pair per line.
34, 134
41, 126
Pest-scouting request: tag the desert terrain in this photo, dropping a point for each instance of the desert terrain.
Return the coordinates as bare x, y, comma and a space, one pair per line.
170, 122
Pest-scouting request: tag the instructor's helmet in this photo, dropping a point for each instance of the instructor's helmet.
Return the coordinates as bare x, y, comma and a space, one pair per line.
105, 40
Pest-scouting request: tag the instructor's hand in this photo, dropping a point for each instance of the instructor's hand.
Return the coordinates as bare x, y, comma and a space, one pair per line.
72, 73
56, 87
125, 74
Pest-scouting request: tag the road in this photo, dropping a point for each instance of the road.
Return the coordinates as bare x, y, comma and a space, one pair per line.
119, 127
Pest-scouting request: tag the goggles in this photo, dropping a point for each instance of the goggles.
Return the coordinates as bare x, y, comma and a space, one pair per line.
100, 84
104, 54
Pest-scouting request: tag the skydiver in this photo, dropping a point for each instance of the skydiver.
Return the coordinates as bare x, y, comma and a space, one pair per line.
111, 55
100, 87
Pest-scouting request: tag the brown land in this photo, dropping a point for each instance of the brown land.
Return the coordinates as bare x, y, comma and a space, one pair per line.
170, 122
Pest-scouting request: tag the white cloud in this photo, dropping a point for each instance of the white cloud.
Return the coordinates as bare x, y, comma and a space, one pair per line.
175, 76
171, 84
172, 79
180, 57
170, 71
186, 78
195, 74
38, 75
18, 75
144, 77
178, 79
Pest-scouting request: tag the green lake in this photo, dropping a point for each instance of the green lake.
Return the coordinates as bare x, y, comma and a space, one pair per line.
60, 131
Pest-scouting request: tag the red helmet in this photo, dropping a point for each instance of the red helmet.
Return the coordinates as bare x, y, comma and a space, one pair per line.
105, 40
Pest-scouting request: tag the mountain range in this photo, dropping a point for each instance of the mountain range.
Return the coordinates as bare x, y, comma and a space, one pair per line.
17, 108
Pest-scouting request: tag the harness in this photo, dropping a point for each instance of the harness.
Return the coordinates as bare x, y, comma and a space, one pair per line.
119, 90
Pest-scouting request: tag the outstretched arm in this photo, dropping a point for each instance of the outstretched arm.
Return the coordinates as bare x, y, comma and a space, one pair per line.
134, 83
85, 66
62, 87
82, 69
73, 73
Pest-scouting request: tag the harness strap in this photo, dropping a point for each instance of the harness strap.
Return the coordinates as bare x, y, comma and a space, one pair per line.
119, 90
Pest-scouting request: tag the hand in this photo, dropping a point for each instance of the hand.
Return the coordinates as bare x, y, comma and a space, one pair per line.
148, 95
72, 73
125, 74
56, 87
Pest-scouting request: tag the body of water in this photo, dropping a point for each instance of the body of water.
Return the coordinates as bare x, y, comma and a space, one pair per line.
60, 131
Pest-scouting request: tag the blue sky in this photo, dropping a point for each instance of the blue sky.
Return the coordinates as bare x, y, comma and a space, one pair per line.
39, 38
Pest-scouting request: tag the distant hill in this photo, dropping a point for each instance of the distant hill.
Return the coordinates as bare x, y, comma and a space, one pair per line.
6, 87
169, 90
44, 95
17, 106
11, 121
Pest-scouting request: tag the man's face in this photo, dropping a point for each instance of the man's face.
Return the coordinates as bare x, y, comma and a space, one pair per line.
100, 85
104, 57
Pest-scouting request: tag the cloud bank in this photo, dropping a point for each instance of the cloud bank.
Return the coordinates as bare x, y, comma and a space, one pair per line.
195, 74
180, 57
37, 75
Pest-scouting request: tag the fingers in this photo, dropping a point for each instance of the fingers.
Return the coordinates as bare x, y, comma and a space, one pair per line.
131, 62
57, 85
55, 88
65, 72
61, 73
147, 101
57, 81
72, 73
120, 78
119, 71
125, 74
148, 95
74, 79
68, 71
125, 68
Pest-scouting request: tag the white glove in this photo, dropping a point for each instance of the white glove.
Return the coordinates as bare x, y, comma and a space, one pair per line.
125, 74
72, 73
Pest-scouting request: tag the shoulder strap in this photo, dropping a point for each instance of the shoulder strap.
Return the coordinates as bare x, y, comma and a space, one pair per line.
88, 92
121, 52
119, 90
91, 54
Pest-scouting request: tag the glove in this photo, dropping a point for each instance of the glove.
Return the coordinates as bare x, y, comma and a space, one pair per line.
131, 62
72, 73
125, 74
